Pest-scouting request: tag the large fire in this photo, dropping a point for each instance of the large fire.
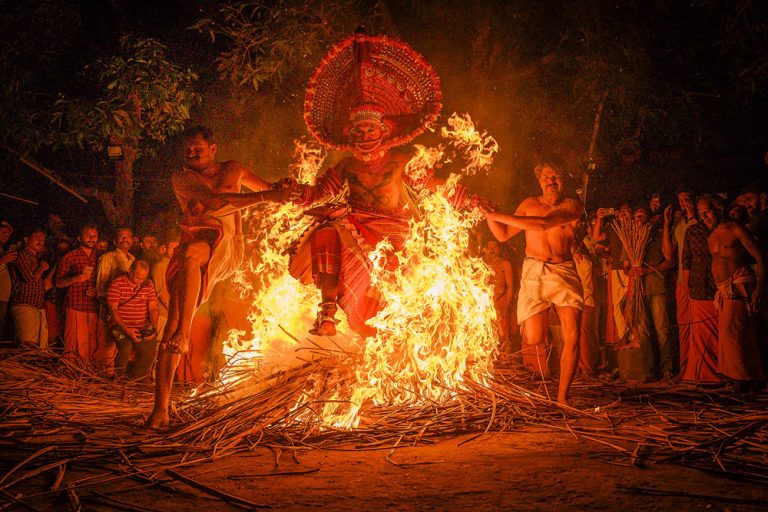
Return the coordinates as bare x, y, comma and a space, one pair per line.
437, 328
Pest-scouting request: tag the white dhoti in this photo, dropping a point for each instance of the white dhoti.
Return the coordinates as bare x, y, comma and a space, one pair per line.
545, 284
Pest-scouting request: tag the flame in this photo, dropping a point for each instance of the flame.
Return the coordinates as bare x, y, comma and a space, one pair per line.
437, 328
476, 147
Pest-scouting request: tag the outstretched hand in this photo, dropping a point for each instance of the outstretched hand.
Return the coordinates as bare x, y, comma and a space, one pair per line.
668, 215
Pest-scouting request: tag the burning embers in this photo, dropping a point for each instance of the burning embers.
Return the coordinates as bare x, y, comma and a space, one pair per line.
436, 328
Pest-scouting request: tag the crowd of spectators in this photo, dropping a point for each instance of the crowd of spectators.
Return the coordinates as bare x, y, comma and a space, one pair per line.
702, 324
101, 302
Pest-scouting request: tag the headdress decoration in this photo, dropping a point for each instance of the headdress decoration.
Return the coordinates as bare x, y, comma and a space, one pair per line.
371, 77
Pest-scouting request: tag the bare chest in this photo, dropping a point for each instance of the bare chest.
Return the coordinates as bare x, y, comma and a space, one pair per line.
378, 187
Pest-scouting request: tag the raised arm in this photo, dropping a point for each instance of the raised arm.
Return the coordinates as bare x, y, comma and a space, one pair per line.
667, 247
598, 233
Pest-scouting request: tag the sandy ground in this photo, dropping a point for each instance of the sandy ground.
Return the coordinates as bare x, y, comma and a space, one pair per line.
529, 470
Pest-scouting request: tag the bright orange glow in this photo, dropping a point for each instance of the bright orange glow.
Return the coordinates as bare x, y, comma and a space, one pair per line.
437, 328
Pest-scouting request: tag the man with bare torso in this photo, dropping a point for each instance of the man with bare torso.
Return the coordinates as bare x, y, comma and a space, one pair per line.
738, 296
549, 276
503, 290
380, 203
210, 251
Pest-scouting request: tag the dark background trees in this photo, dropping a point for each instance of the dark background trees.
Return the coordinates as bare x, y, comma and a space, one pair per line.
682, 85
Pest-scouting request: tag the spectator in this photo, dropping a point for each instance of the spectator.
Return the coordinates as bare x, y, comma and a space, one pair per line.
701, 364
737, 298
616, 325
132, 304
148, 250
503, 289
55, 229
589, 349
54, 297
682, 301
755, 200
109, 267
161, 285
654, 209
76, 273
738, 213
6, 257
28, 297
656, 350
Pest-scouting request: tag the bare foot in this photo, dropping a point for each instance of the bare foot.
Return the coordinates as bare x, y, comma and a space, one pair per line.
157, 420
325, 329
176, 344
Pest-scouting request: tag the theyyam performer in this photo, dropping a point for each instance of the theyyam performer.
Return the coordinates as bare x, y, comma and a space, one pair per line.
549, 276
369, 95
210, 250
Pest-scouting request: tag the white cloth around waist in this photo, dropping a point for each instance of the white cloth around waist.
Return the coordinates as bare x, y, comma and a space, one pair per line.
544, 284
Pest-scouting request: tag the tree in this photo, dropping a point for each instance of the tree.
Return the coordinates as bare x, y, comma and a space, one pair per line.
280, 42
139, 98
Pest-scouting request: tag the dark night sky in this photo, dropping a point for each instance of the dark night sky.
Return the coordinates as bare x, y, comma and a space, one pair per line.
679, 40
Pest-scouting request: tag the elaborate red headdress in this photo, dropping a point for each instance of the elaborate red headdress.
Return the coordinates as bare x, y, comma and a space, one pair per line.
376, 77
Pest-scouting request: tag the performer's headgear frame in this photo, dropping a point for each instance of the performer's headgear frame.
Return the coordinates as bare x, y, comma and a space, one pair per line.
371, 78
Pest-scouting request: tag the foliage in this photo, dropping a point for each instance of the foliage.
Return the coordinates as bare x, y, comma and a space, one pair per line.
742, 41
141, 98
272, 43
37, 35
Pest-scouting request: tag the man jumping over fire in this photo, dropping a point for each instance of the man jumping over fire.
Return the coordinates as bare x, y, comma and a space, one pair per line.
549, 274
368, 95
211, 249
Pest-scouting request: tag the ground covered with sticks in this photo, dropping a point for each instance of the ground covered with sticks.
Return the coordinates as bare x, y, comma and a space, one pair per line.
70, 440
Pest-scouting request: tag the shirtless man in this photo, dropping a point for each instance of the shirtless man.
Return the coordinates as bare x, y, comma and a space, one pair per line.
210, 251
549, 275
503, 289
738, 295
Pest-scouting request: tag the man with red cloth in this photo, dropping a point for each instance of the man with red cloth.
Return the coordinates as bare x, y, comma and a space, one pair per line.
210, 251
738, 295
369, 95
700, 365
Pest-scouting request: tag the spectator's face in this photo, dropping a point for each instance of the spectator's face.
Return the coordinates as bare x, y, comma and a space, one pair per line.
492, 248
172, 248
124, 239
678, 214
149, 243
655, 204
707, 215
35, 241
625, 212
736, 213
685, 202
89, 237
551, 181
55, 222
5, 234
139, 274
750, 201
198, 154
641, 216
